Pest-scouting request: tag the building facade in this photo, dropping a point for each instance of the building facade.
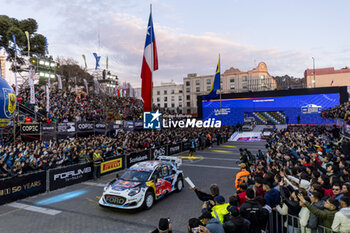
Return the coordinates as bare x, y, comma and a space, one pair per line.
169, 95
326, 77
3, 66
232, 80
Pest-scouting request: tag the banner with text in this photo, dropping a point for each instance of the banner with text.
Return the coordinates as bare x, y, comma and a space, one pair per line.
113, 165
159, 151
137, 157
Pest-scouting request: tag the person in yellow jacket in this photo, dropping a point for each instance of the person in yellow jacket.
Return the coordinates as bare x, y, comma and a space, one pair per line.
220, 209
241, 176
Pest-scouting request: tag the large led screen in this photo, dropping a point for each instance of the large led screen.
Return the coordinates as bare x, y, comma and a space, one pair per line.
307, 107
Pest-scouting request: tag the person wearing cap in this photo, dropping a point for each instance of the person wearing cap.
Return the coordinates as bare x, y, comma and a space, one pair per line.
241, 176
235, 222
219, 210
327, 215
164, 226
212, 224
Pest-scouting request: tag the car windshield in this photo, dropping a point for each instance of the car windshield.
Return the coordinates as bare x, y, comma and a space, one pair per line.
136, 175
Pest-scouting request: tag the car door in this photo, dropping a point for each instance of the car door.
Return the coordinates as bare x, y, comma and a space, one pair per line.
164, 181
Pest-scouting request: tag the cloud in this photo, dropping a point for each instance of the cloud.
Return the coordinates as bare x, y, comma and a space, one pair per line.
122, 30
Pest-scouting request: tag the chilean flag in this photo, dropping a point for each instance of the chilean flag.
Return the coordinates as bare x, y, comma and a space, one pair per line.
149, 64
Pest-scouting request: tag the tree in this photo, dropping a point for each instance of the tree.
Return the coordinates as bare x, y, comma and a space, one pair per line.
11, 26
69, 69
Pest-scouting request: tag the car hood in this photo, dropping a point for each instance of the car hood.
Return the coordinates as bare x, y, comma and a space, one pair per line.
121, 185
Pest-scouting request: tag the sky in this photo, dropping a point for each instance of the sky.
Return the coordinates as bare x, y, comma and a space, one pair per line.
190, 34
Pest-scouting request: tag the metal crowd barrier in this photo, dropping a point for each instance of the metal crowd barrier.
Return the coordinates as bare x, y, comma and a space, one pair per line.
280, 224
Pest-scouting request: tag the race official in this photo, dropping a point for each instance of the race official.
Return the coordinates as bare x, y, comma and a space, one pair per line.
97, 159
241, 176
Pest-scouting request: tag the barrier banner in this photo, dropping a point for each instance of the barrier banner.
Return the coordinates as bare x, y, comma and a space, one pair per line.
128, 125
159, 151
112, 165
116, 125
100, 126
174, 149
186, 145
49, 128
138, 125
30, 128
68, 127
86, 126
65, 176
137, 157
24, 186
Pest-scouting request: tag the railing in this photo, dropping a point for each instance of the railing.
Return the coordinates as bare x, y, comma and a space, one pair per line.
290, 224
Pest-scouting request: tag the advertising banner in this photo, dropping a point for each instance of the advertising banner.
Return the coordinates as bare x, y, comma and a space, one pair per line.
22, 186
138, 125
30, 128
159, 151
100, 126
116, 125
49, 128
86, 126
68, 127
186, 145
128, 125
174, 149
112, 165
66, 176
137, 157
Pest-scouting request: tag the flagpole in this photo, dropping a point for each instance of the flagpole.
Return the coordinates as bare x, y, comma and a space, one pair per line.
220, 90
152, 65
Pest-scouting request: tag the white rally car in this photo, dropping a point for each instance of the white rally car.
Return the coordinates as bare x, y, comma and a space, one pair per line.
143, 183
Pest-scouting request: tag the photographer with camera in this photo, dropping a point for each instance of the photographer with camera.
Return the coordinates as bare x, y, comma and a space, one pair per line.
164, 226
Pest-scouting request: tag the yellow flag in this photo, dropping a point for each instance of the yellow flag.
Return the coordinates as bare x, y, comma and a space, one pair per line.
27, 35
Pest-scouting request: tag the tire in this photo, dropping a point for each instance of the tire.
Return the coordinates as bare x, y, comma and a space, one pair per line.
148, 201
179, 184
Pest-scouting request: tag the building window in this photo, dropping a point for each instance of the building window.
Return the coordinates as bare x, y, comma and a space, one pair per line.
158, 105
208, 88
188, 97
165, 105
197, 89
172, 92
188, 83
244, 78
188, 111
165, 92
232, 80
165, 99
158, 92
172, 98
232, 86
180, 91
180, 98
173, 105
188, 104
198, 82
208, 81
262, 76
187, 89
158, 99
244, 86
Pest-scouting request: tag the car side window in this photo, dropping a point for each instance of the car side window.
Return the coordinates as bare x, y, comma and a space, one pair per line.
156, 174
165, 170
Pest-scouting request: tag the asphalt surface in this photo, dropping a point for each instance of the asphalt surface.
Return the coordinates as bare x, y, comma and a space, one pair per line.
83, 214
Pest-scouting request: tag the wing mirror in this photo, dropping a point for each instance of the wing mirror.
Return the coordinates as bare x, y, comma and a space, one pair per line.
117, 176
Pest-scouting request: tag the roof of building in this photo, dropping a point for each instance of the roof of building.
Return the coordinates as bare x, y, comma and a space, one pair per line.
324, 71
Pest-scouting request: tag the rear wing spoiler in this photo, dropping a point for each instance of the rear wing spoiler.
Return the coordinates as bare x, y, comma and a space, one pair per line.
175, 160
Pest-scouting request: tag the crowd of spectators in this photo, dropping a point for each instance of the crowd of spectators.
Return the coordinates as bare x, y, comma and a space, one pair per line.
69, 106
339, 112
301, 183
16, 159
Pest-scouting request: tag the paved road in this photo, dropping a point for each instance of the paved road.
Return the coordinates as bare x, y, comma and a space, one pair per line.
83, 214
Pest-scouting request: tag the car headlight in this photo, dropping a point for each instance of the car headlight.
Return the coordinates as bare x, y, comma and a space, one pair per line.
134, 191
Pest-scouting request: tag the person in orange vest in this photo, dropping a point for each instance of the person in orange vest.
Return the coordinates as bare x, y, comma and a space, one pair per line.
241, 176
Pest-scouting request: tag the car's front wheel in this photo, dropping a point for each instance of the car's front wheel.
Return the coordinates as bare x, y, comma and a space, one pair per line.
148, 201
179, 184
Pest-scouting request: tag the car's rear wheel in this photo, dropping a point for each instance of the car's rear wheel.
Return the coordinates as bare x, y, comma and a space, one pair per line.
148, 201
179, 184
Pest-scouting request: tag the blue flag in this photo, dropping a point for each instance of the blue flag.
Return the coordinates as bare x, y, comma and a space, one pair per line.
97, 60
46, 47
14, 42
215, 86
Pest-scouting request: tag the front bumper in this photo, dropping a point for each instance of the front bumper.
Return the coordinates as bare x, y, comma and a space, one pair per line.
130, 203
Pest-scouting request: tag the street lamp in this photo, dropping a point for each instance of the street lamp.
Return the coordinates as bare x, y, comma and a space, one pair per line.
314, 81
